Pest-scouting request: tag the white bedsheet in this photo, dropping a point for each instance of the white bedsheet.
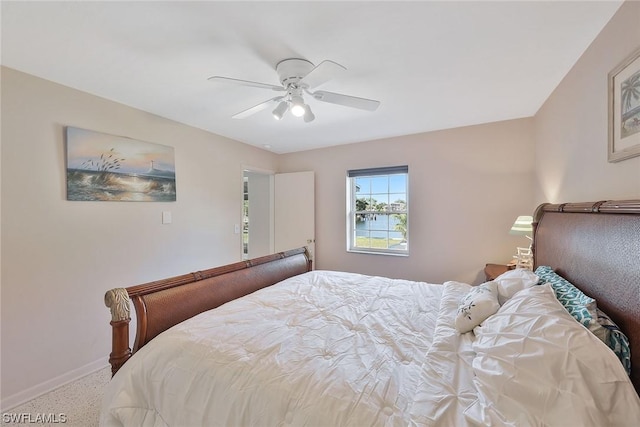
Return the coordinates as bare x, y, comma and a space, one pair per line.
324, 348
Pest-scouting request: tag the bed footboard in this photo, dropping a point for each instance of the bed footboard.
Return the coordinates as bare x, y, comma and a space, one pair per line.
164, 303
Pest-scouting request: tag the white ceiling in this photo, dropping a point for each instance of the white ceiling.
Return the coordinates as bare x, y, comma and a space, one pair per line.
433, 65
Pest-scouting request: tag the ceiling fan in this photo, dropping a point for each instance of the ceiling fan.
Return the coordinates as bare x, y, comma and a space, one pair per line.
299, 77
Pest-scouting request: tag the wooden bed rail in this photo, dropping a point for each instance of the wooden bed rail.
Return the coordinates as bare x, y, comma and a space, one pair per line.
603, 206
164, 303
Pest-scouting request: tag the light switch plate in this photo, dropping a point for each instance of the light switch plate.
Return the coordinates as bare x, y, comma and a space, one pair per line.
166, 217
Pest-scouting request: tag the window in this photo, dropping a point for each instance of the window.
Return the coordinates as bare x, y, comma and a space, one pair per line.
377, 210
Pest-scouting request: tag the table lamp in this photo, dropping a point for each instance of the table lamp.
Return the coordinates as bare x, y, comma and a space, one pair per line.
522, 226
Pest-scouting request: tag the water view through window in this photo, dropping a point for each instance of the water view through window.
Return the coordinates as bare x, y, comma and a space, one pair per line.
379, 211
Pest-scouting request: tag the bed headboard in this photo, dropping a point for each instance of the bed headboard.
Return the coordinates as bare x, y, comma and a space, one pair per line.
161, 304
596, 246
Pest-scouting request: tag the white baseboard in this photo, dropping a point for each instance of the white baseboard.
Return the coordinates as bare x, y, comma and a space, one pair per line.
50, 385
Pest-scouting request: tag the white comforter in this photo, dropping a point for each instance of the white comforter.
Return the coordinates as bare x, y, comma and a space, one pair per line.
324, 348
339, 349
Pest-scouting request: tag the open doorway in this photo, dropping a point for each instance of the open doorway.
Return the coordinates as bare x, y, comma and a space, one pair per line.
257, 213
278, 212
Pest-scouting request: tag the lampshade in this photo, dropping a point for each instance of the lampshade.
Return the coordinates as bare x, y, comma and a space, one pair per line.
308, 115
522, 226
280, 110
297, 106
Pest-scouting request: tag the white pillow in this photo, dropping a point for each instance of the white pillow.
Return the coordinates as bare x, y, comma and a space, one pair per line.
480, 303
535, 365
514, 281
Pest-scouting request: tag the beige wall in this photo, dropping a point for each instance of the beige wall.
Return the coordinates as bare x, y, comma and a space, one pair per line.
466, 187
571, 127
60, 257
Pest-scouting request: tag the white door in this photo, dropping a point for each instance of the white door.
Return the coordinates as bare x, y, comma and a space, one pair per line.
294, 207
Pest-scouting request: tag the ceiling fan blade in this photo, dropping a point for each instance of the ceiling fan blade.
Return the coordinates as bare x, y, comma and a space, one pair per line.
346, 100
322, 73
256, 108
247, 83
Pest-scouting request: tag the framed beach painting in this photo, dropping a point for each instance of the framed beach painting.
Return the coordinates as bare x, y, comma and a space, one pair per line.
624, 109
102, 167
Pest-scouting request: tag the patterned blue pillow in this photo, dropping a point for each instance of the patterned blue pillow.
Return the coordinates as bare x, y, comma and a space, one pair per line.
615, 339
580, 306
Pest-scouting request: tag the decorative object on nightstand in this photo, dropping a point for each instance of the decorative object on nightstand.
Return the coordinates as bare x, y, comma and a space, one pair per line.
524, 258
523, 227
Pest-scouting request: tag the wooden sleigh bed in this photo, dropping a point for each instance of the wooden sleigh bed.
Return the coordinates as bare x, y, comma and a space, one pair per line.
164, 303
596, 246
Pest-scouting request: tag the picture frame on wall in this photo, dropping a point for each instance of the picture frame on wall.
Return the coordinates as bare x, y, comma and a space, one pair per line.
624, 109
103, 167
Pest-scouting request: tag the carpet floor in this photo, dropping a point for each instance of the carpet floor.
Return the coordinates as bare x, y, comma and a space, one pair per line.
79, 402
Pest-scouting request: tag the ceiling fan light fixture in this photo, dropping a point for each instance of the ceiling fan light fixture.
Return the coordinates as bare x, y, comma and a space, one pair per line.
279, 111
297, 106
298, 76
308, 115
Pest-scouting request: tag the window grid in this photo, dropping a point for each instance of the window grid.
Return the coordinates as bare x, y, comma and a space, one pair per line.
378, 211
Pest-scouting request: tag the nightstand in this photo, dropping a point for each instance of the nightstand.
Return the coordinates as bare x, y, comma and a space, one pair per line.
491, 271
